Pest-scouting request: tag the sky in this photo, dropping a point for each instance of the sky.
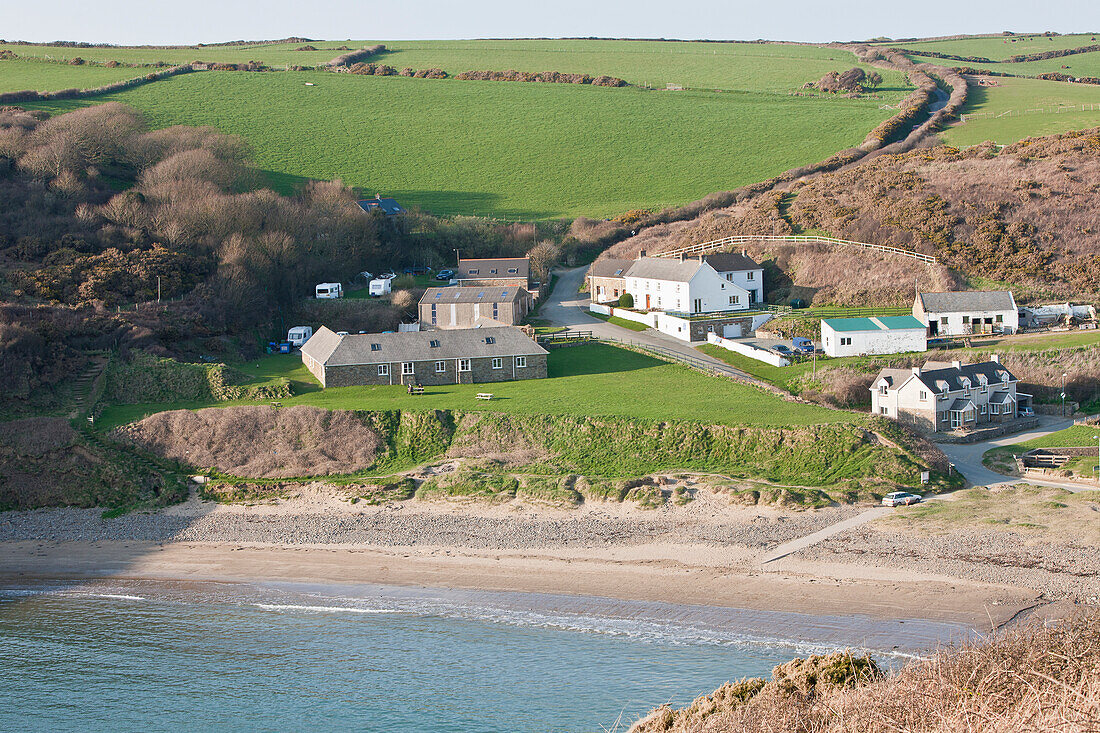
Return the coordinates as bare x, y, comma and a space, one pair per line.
207, 21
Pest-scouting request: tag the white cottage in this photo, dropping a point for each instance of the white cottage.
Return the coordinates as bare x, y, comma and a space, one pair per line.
967, 311
682, 285
875, 335
739, 269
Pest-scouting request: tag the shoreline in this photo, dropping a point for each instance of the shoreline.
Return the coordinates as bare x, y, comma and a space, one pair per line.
644, 574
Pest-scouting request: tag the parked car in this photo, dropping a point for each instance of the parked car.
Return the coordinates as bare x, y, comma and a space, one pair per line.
900, 498
417, 270
387, 275
365, 275
783, 349
803, 345
1026, 412
445, 274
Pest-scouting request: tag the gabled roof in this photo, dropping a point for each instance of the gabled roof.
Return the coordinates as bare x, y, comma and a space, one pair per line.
961, 405
952, 379
665, 268
485, 267
730, 261
874, 323
967, 301
475, 294
462, 343
609, 267
389, 207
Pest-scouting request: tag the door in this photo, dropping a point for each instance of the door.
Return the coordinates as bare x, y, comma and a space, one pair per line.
647, 301
732, 331
933, 328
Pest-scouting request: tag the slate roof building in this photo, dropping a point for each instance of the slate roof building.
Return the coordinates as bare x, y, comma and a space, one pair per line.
965, 312
682, 285
608, 278
739, 269
462, 307
387, 206
874, 335
509, 271
460, 356
941, 396
606, 281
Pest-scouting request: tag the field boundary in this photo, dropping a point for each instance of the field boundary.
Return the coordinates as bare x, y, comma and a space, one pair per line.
1038, 110
717, 244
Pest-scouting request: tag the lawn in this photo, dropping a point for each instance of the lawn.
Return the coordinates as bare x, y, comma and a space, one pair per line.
1013, 98
592, 379
506, 149
997, 48
622, 322
17, 76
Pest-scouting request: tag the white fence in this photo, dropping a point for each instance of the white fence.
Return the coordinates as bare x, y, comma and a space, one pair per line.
752, 352
1034, 111
603, 310
718, 244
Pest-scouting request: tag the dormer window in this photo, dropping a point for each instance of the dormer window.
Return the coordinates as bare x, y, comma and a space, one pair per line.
376, 347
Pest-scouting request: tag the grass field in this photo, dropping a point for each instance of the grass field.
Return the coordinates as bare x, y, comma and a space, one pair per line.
510, 150
1079, 65
997, 48
1016, 96
594, 380
272, 54
17, 76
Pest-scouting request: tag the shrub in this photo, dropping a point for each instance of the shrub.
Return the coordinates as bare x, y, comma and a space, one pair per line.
626, 300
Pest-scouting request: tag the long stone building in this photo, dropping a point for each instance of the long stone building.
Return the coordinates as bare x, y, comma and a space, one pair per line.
463, 307
459, 356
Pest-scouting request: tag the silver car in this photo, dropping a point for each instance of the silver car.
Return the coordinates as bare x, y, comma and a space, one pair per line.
900, 498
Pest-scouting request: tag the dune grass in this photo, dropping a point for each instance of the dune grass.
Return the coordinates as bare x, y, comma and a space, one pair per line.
1013, 98
506, 149
17, 76
592, 379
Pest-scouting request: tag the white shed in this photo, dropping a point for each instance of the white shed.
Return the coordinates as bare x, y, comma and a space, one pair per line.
874, 335
965, 312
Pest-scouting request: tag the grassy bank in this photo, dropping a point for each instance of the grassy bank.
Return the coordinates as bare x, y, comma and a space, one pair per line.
589, 380
616, 320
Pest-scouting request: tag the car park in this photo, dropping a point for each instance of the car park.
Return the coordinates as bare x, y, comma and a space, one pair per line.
901, 498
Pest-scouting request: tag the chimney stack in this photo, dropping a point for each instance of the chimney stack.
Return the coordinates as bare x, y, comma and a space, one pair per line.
995, 358
916, 371
956, 364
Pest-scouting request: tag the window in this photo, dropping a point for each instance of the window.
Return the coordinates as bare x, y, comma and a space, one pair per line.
440, 367
463, 365
845, 341
723, 286
994, 409
981, 409
513, 271
658, 301
490, 339
884, 410
376, 347
750, 275
923, 395
521, 362
434, 343
407, 367
498, 363
966, 320
496, 310
473, 271
882, 389
698, 305
734, 299
383, 370
943, 321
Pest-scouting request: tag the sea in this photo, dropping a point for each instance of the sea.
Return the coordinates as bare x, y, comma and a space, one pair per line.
113, 655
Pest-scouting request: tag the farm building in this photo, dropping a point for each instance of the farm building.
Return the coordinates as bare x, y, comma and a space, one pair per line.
459, 356
389, 207
682, 285
967, 311
512, 272
606, 281
462, 307
874, 335
941, 396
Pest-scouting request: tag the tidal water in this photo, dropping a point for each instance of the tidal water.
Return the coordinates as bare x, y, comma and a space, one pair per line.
170, 656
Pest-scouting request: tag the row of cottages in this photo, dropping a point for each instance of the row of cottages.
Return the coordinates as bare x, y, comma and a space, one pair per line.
464, 307
722, 281
966, 312
511, 272
874, 335
943, 396
460, 356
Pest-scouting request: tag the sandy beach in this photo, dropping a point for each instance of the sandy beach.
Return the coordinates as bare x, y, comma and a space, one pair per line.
704, 553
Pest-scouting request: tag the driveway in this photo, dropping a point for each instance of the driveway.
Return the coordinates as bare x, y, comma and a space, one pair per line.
968, 457
565, 306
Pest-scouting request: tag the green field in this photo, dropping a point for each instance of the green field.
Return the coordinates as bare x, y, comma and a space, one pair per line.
272, 54
510, 150
1079, 65
17, 76
589, 380
999, 47
1014, 99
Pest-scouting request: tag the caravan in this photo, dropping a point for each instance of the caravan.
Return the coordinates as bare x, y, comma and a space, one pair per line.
380, 287
329, 290
299, 335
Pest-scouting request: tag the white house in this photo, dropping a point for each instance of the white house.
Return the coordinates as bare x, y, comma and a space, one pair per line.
967, 311
682, 285
739, 269
944, 396
875, 335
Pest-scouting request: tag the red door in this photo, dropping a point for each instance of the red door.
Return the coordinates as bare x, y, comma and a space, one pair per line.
647, 301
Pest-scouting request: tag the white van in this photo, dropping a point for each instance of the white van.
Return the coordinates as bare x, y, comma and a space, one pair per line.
380, 287
299, 335
330, 290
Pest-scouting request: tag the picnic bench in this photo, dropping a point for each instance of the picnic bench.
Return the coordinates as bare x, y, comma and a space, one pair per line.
416, 389
276, 405
485, 395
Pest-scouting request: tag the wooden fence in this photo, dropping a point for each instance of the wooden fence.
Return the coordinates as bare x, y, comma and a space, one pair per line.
719, 244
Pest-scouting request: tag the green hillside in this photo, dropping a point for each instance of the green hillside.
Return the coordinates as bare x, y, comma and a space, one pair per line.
1013, 108
507, 149
16, 76
998, 47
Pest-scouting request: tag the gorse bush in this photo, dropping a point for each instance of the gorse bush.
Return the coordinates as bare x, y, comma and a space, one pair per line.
548, 77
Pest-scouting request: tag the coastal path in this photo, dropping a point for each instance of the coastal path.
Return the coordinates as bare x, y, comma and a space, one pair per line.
566, 306
821, 535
